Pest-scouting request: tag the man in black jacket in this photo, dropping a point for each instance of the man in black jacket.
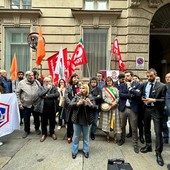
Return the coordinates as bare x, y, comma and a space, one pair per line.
129, 95
153, 93
96, 92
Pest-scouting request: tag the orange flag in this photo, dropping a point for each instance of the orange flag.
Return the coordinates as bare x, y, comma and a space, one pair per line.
40, 48
14, 68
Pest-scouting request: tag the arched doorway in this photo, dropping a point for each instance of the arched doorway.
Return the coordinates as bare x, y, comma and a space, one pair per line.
159, 51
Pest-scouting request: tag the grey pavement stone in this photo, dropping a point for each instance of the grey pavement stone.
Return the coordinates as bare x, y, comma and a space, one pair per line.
31, 154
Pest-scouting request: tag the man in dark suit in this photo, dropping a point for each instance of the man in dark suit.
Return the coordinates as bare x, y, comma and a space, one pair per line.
129, 96
167, 110
153, 93
121, 78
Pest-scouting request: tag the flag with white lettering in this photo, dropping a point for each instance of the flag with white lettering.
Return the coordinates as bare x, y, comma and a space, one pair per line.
9, 114
79, 55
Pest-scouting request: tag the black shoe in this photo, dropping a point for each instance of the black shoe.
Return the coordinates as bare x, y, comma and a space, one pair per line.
25, 134
168, 166
86, 155
92, 136
129, 135
147, 148
120, 142
43, 138
54, 136
38, 132
21, 123
136, 149
165, 141
159, 159
142, 139
74, 156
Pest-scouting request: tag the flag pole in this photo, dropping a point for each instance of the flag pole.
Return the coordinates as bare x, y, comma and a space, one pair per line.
109, 58
41, 70
88, 70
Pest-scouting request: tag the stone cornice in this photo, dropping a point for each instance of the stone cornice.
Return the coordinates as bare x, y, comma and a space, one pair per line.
81, 14
20, 12
17, 14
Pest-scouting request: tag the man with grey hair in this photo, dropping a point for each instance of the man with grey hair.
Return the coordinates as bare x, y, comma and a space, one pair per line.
1, 87
27, 95
5, 82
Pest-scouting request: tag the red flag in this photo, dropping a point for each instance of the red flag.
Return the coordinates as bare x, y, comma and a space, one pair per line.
14, 68
116, 51
52, 61
71, 67
40, 48
79, 55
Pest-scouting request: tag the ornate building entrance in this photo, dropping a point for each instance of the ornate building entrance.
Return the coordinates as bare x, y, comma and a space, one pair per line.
159, 55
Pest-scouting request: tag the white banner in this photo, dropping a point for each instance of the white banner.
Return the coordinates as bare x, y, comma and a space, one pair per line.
9, 114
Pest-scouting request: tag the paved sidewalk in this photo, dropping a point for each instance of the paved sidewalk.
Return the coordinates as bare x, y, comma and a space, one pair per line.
31, 154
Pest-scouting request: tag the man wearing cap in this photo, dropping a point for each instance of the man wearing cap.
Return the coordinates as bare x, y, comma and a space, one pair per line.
27, 98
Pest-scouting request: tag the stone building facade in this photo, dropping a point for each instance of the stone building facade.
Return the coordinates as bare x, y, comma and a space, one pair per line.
64, 22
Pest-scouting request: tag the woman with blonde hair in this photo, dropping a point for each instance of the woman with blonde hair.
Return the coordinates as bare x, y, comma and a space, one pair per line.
82, 117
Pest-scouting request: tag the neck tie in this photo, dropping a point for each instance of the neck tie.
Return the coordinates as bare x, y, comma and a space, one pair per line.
150, 92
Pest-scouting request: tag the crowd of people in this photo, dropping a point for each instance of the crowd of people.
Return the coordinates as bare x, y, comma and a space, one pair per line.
80, 105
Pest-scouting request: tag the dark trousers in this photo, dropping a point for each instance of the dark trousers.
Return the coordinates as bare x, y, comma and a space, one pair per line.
141, 123
94, 123
27, 114
48, 114
153, 113
59, 116
69, 128
165, 127
21, 114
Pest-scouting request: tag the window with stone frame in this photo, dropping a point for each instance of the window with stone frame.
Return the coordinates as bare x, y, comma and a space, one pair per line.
20, 4
16, 42
95, 4
95, 44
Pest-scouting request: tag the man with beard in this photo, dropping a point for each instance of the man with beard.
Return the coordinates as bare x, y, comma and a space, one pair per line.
153, 93
20, 75
27, 95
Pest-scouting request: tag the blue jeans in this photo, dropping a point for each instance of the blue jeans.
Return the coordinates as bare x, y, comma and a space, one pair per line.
94, 123
76, 138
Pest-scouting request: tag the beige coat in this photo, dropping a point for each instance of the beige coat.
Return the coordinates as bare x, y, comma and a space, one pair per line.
105, 117
27, 93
